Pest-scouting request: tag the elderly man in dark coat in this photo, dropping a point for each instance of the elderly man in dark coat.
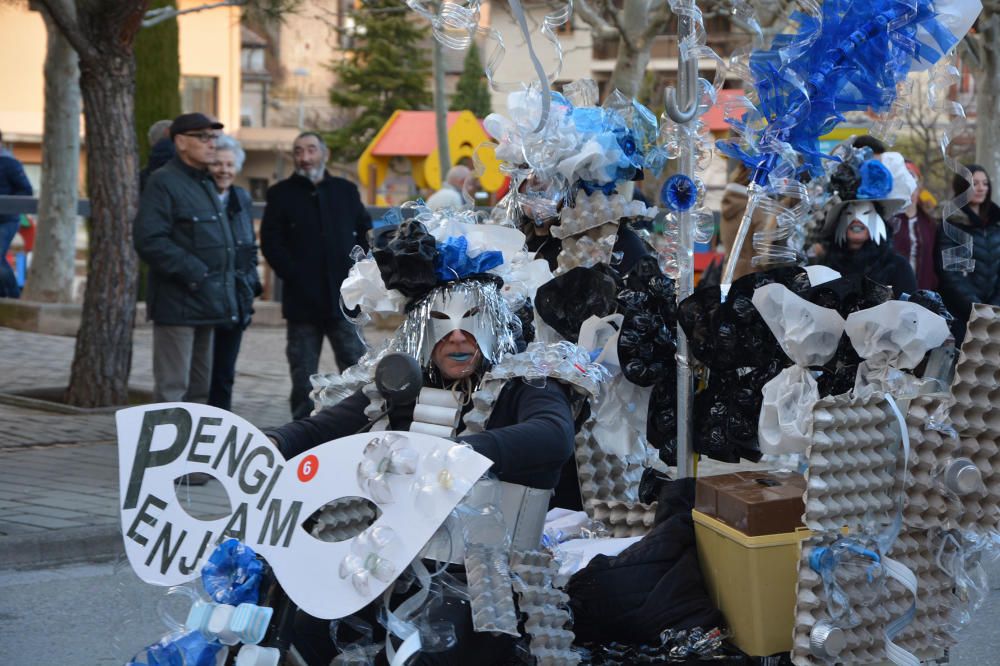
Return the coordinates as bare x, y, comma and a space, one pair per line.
312, 222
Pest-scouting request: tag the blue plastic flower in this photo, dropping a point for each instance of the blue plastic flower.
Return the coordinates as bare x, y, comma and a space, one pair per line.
453, 260
678, 193
627, 142
232, 574
876, 180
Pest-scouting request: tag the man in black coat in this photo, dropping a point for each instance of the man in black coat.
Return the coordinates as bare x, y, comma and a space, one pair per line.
311, 223
183, 233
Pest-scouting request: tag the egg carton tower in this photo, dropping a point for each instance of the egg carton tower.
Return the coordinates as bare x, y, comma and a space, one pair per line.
953, 484
851, 481
976, 392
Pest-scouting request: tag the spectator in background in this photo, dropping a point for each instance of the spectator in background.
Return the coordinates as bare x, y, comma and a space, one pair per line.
311, 223
978, 223
183, 234
13, 182
914, 233
229, 158
450, 194
161, 150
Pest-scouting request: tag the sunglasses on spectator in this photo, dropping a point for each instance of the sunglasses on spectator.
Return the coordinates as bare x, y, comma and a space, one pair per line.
204, 137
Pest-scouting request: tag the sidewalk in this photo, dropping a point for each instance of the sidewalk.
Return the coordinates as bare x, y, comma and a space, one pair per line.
59, 472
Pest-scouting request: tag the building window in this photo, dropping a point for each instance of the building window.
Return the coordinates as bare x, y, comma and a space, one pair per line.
200, 94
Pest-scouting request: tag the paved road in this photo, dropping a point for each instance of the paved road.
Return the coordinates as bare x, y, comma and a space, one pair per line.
102, 614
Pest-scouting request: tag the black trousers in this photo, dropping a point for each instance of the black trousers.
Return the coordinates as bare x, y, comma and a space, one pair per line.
304, 343
226, 347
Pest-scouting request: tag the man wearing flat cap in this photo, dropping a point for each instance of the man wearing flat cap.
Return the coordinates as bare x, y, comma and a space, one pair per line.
183, 234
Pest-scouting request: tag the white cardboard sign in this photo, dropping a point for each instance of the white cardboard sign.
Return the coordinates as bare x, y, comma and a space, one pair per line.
271, 497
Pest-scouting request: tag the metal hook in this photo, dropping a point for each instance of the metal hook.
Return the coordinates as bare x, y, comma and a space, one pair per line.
687, 80
687, 76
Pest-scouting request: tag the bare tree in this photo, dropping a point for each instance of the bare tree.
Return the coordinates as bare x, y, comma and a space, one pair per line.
50, 277
920, 141
635, 25
102, 32
980, 47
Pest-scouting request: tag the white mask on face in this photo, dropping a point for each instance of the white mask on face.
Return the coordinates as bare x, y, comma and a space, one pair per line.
458, 310
867, 214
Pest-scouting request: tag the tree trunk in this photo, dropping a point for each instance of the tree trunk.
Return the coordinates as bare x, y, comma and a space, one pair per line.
630, 67
988, 96
633, 49
103, 356
50, 277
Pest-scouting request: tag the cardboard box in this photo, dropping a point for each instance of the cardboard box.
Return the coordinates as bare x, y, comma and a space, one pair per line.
755, 503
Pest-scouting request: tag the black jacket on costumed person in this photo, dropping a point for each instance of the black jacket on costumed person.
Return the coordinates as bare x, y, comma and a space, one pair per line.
307, 235
529, 435
878, 263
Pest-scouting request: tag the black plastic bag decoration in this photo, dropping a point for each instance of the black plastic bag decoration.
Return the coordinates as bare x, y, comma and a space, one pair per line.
732, 340
647, 345
405, 259
661, 419
731, 335
933, 302
566, 301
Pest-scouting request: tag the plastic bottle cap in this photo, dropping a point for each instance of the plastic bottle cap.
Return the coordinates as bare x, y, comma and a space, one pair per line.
963, 477
826, 640
218, 625
255, 655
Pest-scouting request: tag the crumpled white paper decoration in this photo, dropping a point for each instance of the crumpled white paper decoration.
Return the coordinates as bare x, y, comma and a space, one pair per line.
891, 337
820, 274
363, 287
809, 334
621, 409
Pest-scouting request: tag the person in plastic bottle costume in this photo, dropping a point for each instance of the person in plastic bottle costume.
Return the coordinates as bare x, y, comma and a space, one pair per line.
457, 330
862, 240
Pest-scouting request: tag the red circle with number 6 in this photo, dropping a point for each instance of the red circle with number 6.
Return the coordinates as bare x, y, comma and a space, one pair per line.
308, 468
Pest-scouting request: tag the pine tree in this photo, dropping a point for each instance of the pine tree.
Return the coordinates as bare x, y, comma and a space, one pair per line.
157, 76
386, 70
472, 92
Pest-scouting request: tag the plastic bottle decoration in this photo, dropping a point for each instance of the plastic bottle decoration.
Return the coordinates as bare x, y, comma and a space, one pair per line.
647, 345
854, 58
232, 574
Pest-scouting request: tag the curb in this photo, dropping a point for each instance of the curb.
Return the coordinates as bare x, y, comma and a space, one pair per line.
93, 543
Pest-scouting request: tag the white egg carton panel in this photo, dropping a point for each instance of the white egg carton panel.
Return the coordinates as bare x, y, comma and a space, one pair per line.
603, 476
930, 634
489, 589
976, 416
852, 463
625, 519
927, 503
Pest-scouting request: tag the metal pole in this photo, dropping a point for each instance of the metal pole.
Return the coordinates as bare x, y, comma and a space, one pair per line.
682, 108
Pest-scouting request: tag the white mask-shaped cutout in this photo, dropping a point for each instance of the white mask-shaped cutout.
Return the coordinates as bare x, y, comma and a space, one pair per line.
270, 498
458, 309
866, 213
